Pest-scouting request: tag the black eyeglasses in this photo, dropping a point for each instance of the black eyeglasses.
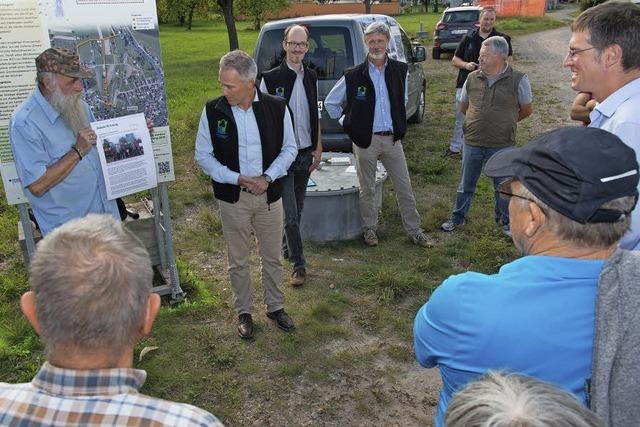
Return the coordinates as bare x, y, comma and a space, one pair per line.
299, 45
506, 195
573, 52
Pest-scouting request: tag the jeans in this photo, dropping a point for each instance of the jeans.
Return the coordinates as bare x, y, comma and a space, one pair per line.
458, 138
473, 159
294, 189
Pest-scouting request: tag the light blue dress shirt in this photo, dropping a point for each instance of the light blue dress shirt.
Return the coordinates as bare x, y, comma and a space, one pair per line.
249, 148
337, 97
39, 138
619, 114
535, 316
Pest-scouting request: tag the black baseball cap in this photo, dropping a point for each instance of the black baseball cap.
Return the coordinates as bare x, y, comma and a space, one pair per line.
574, 170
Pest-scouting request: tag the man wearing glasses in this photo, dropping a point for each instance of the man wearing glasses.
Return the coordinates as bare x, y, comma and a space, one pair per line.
604, 58
570, 196
298, 84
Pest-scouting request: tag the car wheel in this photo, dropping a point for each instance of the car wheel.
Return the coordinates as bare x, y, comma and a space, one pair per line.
418, 116
435, 53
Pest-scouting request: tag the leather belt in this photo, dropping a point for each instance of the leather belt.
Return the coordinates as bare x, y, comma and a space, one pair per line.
384, 133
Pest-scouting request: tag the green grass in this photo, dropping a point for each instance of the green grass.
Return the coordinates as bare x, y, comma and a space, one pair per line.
354, 315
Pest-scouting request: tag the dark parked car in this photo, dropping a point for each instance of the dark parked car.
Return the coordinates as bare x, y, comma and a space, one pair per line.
336, 42
455, 23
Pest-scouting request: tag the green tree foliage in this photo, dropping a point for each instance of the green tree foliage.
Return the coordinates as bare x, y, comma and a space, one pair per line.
257, 9
184, 11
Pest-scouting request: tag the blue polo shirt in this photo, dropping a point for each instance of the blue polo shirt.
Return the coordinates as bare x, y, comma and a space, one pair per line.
39, 138
535, 316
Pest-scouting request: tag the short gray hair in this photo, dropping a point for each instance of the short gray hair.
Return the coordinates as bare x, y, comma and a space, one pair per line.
240, 61
506, 400
378, 27
592, 235
91, 278
498, 44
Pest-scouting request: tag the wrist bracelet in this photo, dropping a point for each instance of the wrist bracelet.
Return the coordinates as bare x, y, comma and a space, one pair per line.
77, 151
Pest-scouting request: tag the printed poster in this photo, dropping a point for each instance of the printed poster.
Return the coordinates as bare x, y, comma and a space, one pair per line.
118, 39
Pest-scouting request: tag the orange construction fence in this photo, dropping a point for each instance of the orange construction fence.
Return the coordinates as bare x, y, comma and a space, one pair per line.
506, 8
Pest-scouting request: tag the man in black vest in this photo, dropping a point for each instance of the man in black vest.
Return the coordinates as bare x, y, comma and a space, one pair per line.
375, 118
466, 60
297, 83
245, 143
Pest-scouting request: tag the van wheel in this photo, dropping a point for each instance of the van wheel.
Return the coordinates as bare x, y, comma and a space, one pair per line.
435, 52
418, 116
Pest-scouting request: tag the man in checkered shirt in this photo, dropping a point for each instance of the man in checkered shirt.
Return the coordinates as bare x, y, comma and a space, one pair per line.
90, 301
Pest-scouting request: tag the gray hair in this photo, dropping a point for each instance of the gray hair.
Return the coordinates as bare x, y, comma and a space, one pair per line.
613, 23
593, 235
91, 278
510, 400
378, 27
240, 61
498, 44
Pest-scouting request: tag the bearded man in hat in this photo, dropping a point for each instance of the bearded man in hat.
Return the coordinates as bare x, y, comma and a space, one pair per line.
570, 197
53, 145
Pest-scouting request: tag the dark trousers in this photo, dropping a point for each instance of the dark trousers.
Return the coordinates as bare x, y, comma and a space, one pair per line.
294, 189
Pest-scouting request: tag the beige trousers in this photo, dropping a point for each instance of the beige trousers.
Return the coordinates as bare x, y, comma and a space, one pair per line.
238, 219
392, 157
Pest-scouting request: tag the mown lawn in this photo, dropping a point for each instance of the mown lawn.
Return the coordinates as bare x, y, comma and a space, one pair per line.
352, 346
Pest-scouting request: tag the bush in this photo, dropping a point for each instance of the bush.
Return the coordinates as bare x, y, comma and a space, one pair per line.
586, 4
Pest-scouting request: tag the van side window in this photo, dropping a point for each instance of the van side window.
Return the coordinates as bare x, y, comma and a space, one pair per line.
330, 51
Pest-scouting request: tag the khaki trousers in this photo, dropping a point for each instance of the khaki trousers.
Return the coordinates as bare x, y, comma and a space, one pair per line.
392, 157
238, 219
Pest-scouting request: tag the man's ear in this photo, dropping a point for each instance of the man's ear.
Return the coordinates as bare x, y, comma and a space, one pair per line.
537, 219
612, 55
150, 313
28, 307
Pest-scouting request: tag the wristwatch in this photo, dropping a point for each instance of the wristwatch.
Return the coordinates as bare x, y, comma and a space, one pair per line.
267, 178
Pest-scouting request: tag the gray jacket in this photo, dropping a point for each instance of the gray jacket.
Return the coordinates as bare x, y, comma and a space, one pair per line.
615, 380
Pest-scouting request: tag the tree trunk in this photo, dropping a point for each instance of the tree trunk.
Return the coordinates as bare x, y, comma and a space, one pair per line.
435, 6
230, 21
192, 6
367, 6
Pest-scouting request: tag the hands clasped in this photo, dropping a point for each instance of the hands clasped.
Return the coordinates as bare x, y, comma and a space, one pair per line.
255, 184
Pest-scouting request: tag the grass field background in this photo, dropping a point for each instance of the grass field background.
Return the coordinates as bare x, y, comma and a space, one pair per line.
354, 315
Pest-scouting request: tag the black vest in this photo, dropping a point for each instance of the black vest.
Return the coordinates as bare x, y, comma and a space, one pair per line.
280, 80
361, 102
269, 112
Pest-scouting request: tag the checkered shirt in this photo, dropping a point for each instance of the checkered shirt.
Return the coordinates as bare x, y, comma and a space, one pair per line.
101, 397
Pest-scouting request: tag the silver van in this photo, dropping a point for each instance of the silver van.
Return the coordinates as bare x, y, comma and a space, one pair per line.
336, 42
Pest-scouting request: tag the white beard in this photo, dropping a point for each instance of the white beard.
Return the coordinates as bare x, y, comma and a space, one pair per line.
377, 57
71, 108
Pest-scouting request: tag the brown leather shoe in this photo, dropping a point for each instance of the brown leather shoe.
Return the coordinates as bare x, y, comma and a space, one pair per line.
298, 277
282, 319
245, 326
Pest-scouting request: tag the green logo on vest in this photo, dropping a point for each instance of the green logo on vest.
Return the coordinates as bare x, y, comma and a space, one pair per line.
221, 128
361, 93
280, 92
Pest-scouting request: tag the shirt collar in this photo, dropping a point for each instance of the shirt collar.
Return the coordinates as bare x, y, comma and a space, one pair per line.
372, 66
51, 114
617, 98
299, 73
74, 382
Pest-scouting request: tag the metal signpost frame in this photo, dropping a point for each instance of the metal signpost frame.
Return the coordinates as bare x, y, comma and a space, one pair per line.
164, 239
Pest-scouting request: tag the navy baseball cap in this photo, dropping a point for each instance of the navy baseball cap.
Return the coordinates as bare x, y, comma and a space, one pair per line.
574, 170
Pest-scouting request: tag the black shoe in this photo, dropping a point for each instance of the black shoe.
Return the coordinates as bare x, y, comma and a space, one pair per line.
449, 153
245, 326
282, 319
